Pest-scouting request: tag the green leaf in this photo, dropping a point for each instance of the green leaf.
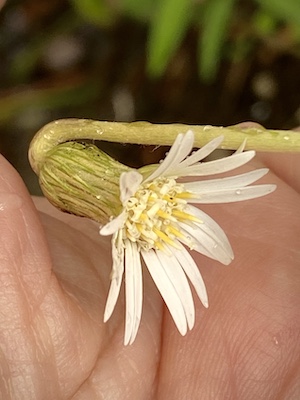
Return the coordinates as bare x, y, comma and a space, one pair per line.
141, 10
285, 10
95, 11
215, 22
168, 27
264, 23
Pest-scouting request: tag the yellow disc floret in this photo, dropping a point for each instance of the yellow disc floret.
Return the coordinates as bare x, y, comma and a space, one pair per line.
154, 212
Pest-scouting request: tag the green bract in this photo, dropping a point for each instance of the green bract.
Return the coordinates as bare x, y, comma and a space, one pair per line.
82, 180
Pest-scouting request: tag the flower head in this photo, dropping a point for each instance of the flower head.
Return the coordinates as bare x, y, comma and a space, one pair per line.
158, 225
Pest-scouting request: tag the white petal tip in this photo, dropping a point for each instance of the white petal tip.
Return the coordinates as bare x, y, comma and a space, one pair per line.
183, 332
107, 230
272, 188
231, 258
190, 134
205, 303
107, 315
191, 324
129, 338
112, 226
129, 183
102, 231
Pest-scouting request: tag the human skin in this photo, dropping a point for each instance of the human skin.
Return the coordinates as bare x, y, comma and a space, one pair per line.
54, 279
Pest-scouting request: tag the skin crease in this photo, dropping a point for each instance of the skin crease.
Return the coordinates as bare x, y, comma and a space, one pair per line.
54, 282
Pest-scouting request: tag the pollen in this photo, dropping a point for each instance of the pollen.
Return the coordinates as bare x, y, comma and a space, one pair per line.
154, 213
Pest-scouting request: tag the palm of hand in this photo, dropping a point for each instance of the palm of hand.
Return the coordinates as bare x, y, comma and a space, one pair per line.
55, 346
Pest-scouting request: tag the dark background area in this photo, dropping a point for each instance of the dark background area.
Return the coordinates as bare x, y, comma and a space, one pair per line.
59, 60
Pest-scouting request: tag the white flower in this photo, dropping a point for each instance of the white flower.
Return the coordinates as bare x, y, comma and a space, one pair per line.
158, 223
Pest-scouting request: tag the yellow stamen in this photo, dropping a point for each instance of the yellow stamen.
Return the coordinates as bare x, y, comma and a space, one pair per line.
185, 195
185, 216
153, 213
144, 217
139, 227
153, 210
159, 245
165, 238
174, 231
147, 235
168, 198
174, 200
165, 215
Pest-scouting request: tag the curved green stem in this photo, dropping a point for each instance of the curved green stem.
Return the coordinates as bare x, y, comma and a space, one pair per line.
258, 138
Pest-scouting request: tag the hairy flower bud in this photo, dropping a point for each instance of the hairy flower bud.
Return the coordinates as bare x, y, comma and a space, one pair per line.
83, 180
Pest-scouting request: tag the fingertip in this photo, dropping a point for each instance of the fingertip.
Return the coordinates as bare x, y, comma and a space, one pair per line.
249, 124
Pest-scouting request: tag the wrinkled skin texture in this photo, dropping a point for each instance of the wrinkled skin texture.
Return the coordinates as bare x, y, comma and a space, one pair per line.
54, 282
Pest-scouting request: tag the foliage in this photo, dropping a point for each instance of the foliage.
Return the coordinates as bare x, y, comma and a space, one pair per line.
169, 21
227, 32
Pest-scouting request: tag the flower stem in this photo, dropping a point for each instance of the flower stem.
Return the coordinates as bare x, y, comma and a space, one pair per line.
258, 138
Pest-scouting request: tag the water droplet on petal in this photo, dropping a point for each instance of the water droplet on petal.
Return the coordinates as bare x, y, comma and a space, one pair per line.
286, 137
238, 192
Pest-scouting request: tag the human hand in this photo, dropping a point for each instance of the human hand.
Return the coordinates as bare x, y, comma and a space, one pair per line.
54, 281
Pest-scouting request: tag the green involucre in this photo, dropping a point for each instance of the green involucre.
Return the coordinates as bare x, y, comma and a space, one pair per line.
82, 180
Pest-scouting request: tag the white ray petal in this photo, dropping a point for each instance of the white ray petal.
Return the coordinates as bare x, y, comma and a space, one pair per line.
114, 225
133, 291
129, 293
178, 278
205, 151
138, 291
242, 147
218, 166
168, 160
180, 149
230, 182
193, 244
210, 236
207, 244
166, 289
233, 195
184, 149
191, 269
116, 279
129, 184
212, 226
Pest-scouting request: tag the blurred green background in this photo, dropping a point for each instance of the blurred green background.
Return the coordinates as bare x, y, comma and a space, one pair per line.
213, 62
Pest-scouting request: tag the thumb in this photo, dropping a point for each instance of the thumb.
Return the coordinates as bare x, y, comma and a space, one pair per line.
24, 259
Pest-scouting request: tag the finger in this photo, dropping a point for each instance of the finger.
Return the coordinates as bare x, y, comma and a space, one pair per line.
45, 329
285, 165
24, 281
88, 282
86, 226
249, 336
23, 248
